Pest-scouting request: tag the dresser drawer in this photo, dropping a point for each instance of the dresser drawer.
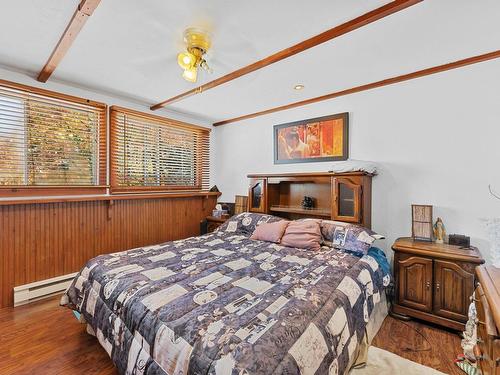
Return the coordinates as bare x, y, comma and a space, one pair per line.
484, 315
488, 346
496, 356
481, 312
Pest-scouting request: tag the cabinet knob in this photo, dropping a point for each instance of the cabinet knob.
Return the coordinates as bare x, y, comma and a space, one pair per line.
428, 285
437, 286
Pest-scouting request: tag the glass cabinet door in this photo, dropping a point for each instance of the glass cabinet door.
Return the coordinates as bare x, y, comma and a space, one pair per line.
256, 196
347, 205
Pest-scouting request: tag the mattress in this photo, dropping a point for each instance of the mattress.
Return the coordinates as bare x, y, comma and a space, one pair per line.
224, 304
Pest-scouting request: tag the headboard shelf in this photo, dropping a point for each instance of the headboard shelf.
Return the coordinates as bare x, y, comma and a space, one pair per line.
336, 196
300, 210
307, 174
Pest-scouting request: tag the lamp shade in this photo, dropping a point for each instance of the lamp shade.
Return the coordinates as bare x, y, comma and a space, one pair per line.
186, 60
190, 74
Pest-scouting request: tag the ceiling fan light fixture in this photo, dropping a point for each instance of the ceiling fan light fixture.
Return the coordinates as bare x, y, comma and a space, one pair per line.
194, 37
190, 74
186, 60
197, 44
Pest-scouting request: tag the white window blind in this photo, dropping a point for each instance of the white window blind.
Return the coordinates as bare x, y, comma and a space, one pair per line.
48, 139
154, 153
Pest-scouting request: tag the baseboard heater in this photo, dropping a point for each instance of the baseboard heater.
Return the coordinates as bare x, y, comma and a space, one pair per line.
27, 293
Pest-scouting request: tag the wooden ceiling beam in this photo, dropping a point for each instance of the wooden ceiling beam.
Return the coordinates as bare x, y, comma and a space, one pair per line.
356, 23
370, 86
82, 13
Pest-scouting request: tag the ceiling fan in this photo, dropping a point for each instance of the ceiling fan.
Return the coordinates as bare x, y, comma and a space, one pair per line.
197, 44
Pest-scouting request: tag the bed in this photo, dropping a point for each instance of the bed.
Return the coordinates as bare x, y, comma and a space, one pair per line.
222, 303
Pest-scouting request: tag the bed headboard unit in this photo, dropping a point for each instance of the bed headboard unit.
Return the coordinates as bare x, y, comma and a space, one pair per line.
336, 196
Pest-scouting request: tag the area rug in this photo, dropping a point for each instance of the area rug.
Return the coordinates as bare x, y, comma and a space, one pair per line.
383, 362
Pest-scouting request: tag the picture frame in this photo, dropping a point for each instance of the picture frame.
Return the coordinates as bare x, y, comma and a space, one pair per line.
313, 140
421, 218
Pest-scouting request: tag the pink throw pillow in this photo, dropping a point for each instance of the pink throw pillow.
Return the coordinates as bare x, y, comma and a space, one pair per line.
302, 235
270, 232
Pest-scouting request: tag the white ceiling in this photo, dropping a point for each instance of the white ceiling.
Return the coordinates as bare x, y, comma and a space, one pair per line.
129, 48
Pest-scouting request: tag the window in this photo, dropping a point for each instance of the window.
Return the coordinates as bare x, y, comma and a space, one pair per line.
50, 140
155, 153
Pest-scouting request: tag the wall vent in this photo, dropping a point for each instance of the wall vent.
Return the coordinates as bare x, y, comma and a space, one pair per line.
41, 289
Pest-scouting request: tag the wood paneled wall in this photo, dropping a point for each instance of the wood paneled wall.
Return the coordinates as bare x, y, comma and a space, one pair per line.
43, 240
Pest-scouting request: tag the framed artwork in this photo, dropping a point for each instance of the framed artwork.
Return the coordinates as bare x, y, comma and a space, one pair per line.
313, 140
421, 218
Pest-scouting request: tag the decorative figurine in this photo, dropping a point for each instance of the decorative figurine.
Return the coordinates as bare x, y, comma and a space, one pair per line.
439, 230
470, 334
307, 202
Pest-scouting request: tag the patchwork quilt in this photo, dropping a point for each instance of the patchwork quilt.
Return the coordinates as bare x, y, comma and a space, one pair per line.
224, 304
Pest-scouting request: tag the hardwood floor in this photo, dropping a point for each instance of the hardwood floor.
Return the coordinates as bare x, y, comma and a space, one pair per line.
422, 343
43, 338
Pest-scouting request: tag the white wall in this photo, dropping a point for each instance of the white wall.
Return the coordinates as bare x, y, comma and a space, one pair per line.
436, 139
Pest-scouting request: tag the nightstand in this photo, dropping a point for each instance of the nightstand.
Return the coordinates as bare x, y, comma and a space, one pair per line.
214, 222
433, 281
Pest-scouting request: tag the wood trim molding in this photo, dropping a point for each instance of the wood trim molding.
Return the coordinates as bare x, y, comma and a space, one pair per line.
52, 94
82, 13
25, 191
356, 23
164, 120
370, 86
108, 198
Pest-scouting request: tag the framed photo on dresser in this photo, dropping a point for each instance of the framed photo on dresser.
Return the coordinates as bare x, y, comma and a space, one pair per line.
313, 140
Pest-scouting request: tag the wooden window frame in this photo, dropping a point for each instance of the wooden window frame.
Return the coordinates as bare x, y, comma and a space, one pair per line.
15, 191
117, 189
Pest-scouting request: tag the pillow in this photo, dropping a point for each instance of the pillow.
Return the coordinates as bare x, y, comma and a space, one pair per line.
246, 222
270, 232
348, 236
302, 235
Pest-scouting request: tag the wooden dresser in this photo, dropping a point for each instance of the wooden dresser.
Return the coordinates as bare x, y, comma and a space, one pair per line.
434, 282
487, 299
